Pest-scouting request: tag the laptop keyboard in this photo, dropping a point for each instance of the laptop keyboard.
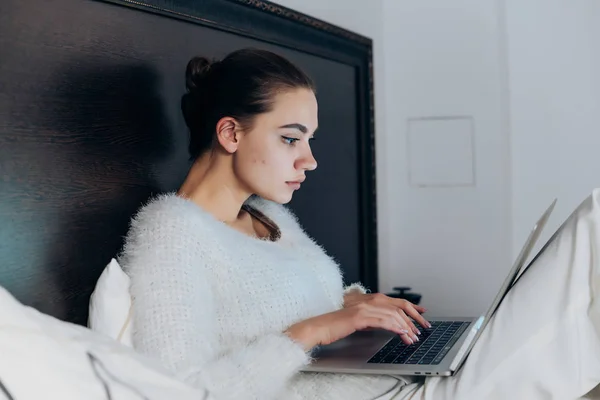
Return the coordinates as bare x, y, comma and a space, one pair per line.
433, 345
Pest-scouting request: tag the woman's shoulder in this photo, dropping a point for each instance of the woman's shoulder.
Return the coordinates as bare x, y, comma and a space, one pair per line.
163, 204
169, 216
167, 226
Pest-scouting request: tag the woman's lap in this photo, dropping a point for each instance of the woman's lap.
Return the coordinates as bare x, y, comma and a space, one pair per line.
544, 340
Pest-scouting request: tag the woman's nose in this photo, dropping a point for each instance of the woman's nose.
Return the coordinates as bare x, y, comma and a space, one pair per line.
307, 162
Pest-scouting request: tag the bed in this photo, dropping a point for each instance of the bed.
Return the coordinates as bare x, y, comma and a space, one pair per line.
90, 128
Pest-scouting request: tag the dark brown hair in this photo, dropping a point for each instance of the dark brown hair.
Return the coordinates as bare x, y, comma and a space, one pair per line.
241, 86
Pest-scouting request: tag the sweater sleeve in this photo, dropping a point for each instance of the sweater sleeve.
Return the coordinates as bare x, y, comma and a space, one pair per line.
355, 287
173, 317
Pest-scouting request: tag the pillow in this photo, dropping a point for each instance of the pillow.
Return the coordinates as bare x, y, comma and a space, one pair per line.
44, 357
110, 304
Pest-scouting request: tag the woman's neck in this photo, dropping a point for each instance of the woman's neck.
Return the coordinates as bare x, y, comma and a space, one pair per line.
211, 184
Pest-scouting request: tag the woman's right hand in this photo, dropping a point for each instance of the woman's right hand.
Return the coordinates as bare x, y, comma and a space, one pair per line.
331, 327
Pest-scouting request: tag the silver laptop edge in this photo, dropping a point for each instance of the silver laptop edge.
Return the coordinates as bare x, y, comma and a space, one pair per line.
515, 271
348, 355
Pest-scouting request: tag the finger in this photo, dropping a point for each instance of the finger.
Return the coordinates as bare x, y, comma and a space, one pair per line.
403, 320
403, 304
412, 328
409, 322
399, 327
406, 322
387, 315
406, 306
406, 338
420, 309
387, 324
414, 314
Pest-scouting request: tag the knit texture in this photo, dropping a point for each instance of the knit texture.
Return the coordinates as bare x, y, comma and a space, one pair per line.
211, 303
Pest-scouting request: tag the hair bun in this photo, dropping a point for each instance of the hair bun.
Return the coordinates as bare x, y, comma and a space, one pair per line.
195, 73
193, 102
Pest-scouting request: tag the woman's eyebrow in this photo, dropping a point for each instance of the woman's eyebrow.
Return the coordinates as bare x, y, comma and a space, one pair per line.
300, 127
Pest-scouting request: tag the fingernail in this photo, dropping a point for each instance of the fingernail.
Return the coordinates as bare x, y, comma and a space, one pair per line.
416, 339
418, 332
428, 325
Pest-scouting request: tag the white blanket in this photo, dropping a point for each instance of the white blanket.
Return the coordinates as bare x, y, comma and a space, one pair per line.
42, 357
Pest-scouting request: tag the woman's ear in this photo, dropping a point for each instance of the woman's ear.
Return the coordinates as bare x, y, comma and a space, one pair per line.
228, 134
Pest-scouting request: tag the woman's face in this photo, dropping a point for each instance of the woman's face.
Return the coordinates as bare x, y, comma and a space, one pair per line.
272, 158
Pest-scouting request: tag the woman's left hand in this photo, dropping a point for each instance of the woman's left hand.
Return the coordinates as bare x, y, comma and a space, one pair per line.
405, 308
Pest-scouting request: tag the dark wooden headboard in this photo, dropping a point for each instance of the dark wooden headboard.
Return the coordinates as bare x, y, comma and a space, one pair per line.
90, 128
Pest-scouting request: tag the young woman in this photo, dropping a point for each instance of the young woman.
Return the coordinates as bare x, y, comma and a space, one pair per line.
231, 294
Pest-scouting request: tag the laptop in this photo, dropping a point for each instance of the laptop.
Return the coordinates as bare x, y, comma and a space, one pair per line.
441, 350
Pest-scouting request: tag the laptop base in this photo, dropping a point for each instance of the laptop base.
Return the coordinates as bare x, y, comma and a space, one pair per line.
375, 351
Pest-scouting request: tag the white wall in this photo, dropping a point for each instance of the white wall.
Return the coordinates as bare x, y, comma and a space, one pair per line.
527, 71
451, 243
554, 59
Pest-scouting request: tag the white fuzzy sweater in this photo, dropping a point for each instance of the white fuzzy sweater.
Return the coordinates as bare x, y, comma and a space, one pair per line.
211, 303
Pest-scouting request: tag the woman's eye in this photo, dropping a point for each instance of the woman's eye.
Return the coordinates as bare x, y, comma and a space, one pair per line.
289, 140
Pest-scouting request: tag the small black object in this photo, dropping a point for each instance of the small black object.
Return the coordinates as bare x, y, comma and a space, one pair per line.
401, 293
